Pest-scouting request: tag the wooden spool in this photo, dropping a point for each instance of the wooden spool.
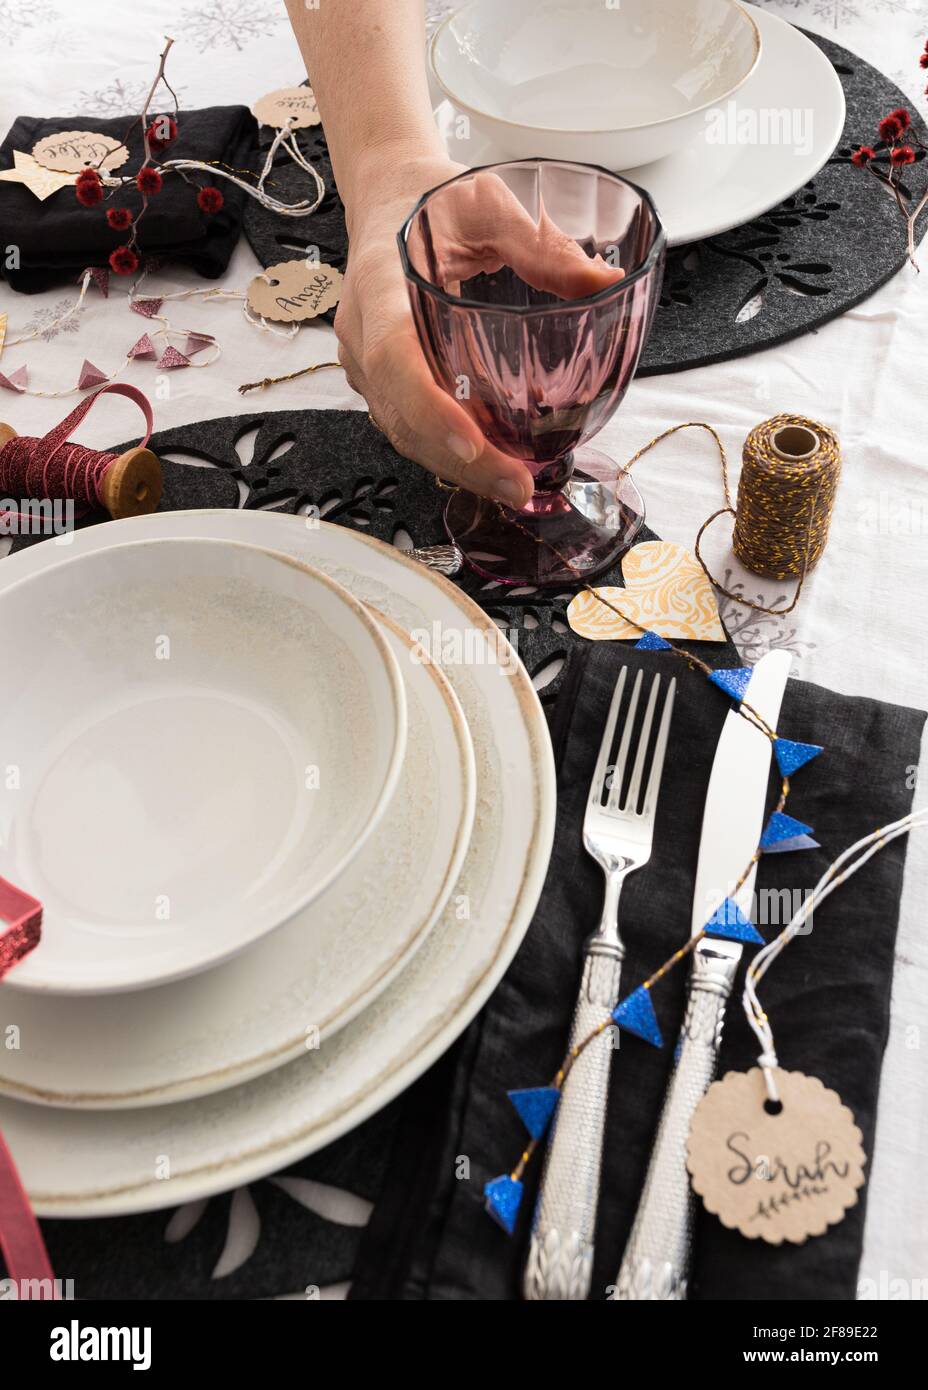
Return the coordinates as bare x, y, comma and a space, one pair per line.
131, 486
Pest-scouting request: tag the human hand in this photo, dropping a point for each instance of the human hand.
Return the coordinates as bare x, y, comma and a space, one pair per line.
378, 344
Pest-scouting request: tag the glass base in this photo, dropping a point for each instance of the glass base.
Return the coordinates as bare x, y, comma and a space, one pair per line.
560, 537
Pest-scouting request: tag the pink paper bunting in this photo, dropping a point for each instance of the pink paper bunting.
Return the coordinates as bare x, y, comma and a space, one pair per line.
197, 342
172, 359
90, 376
143, 348
148, 308
101, 278
16, 381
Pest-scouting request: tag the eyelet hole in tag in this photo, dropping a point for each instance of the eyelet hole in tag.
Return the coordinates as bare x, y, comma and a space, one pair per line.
776, 1176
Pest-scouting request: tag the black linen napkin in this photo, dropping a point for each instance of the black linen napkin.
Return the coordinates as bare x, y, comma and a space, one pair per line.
828, 996
58, 238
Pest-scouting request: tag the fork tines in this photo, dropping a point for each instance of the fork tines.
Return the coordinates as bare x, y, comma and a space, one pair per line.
609, 777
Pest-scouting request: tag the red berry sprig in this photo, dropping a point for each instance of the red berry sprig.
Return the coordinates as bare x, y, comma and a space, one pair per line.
899, 142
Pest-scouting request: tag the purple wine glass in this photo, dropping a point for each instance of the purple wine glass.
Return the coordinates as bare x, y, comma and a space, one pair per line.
511, 276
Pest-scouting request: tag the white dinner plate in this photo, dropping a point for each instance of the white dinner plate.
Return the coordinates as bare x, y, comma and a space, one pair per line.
754, 150
82, 1163
203, 735
302, 983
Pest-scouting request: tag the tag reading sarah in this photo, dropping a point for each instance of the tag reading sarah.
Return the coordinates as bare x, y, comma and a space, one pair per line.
70, 151
288, 107
293, 291
778, 1177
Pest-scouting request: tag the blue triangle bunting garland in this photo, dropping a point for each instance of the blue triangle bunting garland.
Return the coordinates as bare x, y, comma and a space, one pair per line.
502, 1198
734, 681
795, 842
535, 1107
652, 642
782, 827
729, 922
636, 1015
791, 756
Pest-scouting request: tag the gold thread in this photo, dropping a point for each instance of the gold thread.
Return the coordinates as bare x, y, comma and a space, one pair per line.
290, 376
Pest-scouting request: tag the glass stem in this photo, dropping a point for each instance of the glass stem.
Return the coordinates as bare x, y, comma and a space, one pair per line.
554, 475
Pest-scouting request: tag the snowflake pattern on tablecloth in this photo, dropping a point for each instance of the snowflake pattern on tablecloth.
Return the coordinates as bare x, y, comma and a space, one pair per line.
230, 23
17, 16
43, 322
121, 98
838, 12
753, 633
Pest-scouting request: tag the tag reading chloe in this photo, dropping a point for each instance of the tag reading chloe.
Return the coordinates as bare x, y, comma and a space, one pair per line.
293, 107
295, 290
784, 1176
70, 151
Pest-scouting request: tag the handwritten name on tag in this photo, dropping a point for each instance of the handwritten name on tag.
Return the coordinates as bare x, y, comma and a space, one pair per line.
294, 291
293, 107
775, 1177
70, 151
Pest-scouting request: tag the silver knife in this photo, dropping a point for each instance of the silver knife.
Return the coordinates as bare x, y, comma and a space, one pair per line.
656, 1261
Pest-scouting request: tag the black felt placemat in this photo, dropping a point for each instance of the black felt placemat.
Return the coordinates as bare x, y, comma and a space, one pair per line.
811, 258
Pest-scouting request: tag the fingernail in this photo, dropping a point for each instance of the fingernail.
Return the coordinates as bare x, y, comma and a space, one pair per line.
463, 448
510, 492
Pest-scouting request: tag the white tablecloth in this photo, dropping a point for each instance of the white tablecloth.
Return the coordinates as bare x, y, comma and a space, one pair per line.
859, 627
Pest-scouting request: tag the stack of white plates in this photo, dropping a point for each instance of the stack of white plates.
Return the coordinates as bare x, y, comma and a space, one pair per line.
719, 109
287, 798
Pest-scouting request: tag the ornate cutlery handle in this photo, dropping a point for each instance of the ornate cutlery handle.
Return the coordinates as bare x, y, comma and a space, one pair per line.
560, 1257
656, 1260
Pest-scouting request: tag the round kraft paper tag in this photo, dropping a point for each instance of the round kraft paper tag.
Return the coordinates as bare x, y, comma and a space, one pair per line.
775, 1176
70, 151
294, 291
289, 106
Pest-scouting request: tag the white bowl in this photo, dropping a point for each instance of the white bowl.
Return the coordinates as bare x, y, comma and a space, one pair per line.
197, 737
618, 84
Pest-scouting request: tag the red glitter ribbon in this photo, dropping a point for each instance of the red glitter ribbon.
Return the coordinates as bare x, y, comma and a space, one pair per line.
56, 437
54, 466
21, 1243
23, 913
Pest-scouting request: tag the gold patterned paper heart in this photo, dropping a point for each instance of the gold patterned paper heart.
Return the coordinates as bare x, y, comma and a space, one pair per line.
665, 591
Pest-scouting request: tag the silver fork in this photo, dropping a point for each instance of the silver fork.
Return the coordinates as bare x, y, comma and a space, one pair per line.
618, 837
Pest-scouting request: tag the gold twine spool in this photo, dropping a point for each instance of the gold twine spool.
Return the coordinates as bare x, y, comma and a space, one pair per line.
786, 496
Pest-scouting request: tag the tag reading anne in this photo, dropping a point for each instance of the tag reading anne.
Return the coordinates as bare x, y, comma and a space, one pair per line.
70, 151
775, 1176
294, 291
288, 107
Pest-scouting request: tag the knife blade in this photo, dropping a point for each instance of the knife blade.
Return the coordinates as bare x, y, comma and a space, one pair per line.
655, 1265
733, 818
